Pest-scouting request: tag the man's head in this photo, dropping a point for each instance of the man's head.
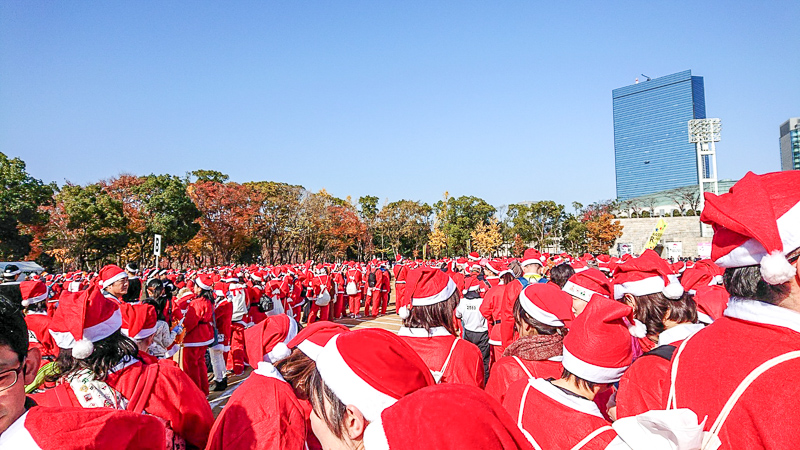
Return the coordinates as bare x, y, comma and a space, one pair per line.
114, 280
18, 365
11, 273
132, 268
756, 238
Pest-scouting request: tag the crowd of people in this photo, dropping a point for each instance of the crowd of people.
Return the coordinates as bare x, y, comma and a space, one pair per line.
545, 351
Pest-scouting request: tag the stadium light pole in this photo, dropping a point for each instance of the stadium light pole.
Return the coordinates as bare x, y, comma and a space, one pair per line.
703, 133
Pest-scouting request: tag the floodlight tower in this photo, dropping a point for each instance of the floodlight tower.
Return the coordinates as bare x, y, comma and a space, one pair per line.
704, 133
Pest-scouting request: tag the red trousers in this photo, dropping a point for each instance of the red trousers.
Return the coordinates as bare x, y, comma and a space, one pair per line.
355, 303
235, 361
399, 290
323, 312
194, 364
379, 299
338, 307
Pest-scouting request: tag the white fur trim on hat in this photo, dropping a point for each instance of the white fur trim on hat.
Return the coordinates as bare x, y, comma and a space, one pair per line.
114, 279
776, 269
645, 286
436, 298
94, 333
34, 300
375, 437
578, 291
528, 262
279, 352
545, 317
349, 387
202, 285
310, 349
590, 372
142, 334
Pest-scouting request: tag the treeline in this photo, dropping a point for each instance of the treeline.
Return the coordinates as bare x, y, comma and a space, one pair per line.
206, 219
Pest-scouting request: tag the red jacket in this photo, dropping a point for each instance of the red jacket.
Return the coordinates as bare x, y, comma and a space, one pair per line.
466, 362
197, 323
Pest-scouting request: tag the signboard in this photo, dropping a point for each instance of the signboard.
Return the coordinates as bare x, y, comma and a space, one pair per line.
674, 250
656, 236
624, 249
704, 250
157, 245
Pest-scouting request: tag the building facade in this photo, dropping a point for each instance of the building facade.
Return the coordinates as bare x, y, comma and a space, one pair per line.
651, 138
790, 144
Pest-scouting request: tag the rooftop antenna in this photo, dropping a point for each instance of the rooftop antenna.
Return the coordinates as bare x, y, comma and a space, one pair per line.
648, 78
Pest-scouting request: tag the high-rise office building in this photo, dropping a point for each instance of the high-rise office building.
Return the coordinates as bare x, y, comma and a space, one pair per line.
651, 142
790, 144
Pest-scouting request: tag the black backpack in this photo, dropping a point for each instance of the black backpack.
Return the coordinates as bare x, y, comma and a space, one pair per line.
372, 279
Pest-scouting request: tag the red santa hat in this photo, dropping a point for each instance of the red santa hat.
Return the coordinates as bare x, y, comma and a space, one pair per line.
647, 274
548, 304
417, 421
110, 274
33, 292
711, 303
474, 256
587, 283
139, 321
371, 369
83, 318
426, 286
204, 281
313, 338
757, 222
531, 256
695, 278
578, 265
598, 346
268, 339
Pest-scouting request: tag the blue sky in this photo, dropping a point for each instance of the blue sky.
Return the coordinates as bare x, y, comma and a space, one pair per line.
508, 101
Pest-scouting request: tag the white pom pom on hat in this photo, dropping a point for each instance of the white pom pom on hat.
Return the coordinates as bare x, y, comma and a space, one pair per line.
82, 349
279, 352
776, 269
673, 291
404, 312
638, 329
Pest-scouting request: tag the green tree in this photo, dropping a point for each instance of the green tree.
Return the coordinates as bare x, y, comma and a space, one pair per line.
21, 197
538, 223
209, 175
405, 224
458, 217
87, 225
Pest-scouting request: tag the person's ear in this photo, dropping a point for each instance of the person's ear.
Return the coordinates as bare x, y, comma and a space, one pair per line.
630, 301
31, 366
354, 423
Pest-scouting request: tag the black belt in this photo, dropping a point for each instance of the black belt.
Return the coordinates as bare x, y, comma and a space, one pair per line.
495, 322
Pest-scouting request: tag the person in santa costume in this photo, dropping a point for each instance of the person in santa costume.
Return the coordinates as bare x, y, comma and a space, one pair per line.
647, 284
139, 323
476, 330
561, 413
223, 313
114, 282
585, 284
739, 371
358, 375
532, 267
400, 271
320, 292
240, 305
543, 314
98, 367
433, 417
198, 316
271, 408
34, 300
353, 286
491, 306
429, 328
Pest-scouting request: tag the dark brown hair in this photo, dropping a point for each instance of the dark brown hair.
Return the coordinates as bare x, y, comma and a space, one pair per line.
746, 282
318, 392
654, 309
439, 314
107, 353
561, 273
583, 384
521, 316
297, 370
507, 278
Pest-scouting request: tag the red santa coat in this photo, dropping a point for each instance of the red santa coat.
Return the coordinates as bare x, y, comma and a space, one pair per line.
174, 398
490, 308
263, 413
510, 369
510, 295
645, 385
223, 312
354, 276
555, 419
68, 428
197, 323
400, 274
39, 334
716, 360
458, 279
465, 365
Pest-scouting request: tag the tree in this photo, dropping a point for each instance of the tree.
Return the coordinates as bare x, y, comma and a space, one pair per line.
538, 223
690, 195
573, 235
155, 204
21, 197
203, 176
87, 225
405, 224
437, 241
457, 217
602, 232
486, 238
226, 212
276, 216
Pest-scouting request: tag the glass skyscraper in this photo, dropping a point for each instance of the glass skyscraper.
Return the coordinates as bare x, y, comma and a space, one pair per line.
651, 136
790, 144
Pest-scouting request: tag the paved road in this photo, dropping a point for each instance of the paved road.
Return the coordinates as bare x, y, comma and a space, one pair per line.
391, 322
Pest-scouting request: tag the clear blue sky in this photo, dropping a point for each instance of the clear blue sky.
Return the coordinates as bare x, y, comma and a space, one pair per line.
508, 101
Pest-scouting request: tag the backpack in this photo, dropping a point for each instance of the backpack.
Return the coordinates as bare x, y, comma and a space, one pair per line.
351, 288
372, 280
524, 281
324, 297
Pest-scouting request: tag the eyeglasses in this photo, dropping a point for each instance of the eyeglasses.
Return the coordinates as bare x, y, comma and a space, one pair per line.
8, 378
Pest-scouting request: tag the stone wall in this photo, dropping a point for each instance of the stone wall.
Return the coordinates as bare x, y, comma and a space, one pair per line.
679, 229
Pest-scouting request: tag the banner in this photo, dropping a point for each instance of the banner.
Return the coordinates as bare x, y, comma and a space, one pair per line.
656, 236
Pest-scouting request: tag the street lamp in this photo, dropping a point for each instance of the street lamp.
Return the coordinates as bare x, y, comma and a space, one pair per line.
704, 133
